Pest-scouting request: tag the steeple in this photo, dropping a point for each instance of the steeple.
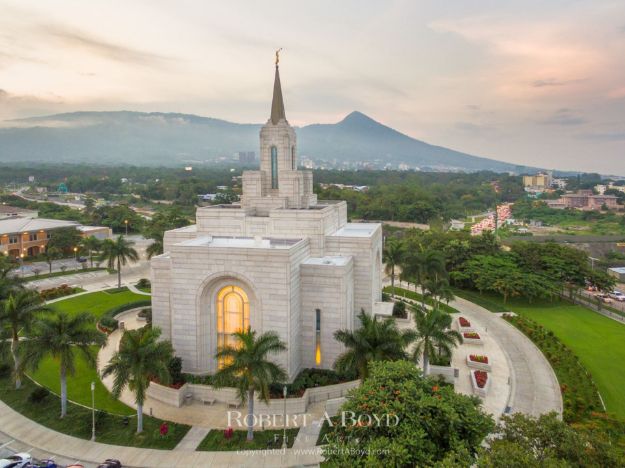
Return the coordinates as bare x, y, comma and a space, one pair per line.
277, 104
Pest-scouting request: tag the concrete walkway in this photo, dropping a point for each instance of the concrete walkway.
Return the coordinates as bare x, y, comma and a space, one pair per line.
193, 438
135, 290
534, 388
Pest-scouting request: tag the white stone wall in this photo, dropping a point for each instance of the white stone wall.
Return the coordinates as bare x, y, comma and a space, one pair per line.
328, 288
160, 278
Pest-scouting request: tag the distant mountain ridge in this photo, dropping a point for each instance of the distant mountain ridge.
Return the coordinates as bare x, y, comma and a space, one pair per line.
139, 138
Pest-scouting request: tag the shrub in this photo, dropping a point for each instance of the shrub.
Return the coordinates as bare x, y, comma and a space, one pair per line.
60, 291
144, 283
175, 371
5, 370
146, 314
399, 309
38, 395
109, 323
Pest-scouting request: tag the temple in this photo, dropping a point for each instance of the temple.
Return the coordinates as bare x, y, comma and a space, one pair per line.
279, 260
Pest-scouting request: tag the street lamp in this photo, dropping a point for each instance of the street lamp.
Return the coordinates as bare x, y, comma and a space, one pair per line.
22, 264
92, 411
126, 223
284, 420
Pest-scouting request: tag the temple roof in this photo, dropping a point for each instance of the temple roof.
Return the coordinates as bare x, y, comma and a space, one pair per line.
277, 103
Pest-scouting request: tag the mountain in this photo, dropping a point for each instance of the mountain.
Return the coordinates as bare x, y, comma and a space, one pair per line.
171, 139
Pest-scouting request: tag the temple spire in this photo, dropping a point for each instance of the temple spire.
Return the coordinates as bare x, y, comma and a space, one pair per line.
277, 103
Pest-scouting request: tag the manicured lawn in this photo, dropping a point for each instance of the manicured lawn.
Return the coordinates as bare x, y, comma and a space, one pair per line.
415, 296
62, 273
215, 440
79, 385
599, 342
110, 429
98, 302
487, 301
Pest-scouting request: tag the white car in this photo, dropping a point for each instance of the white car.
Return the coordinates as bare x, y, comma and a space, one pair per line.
618, 295
19, 460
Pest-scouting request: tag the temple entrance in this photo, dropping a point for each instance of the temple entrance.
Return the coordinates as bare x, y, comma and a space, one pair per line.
233, 314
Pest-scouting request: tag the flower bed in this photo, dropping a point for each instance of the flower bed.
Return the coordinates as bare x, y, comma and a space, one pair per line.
464, 323
480, 381
478, 361
61, 291
472, 338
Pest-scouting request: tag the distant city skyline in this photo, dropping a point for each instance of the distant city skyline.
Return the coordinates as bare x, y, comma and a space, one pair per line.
527, 82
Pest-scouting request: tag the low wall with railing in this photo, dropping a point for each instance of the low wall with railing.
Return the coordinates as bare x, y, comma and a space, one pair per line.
208, 394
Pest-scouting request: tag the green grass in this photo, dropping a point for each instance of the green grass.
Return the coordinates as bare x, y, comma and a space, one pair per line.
109, 429
98, 302
487, 301
215, 440
598, 341
79, 385
415, 296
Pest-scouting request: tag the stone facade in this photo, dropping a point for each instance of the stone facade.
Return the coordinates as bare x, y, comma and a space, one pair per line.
280, 260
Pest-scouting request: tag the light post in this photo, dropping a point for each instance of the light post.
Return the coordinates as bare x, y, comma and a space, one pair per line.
92, 411
22, 264
76, 258
126, 223
284, 420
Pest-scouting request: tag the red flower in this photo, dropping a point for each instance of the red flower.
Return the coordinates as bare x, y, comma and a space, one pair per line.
464, 322
435, 388
481, 378
479, 358
471, 335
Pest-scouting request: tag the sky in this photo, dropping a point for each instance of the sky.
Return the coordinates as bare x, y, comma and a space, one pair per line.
538, 83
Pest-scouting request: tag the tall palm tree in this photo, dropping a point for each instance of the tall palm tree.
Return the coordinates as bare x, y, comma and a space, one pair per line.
155, 248
419, 265
17, 314
140, 358
393, 256
118, 252
439, 290
374, 341
61, 336
9, 281
433, 335
247, 365
92, 245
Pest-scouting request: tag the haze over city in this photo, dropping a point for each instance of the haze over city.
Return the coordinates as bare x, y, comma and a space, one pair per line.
532, 83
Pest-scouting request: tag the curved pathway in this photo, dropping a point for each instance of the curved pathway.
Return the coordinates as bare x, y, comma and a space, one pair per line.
534, 388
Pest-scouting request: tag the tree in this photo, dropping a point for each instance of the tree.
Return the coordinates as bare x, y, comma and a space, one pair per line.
393, 255
9, 281
116, 253
246, 365
91, 244
433, 335
61, 336
421, 265
375, 340
439, 290
163, 220
50, 254
522, 440
17, 314
427, 423
64, 239
140, 358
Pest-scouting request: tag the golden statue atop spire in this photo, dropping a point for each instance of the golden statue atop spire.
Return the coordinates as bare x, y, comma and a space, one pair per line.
278, 56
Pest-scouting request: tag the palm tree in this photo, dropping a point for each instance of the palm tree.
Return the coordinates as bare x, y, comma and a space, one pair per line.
373, 341
17, 313
393, 256
141, 357
155, 248
61, 336
118, 252
420, 265
439, 290
51, 253
246, 364
9, 282
91, 244
433, 335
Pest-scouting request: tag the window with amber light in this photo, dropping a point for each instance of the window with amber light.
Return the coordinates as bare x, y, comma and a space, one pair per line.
233, 314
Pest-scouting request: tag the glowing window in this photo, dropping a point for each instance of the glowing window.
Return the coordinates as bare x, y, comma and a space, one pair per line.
317, 336
233, 315
274, 167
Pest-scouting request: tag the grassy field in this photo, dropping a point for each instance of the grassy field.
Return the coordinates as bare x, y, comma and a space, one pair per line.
215, 440
98, 302
79, 385
599, 342
62, 273
110, 429
415, 296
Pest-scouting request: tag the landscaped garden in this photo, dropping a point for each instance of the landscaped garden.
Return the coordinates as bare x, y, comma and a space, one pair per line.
415, 296
97, 303
236, 440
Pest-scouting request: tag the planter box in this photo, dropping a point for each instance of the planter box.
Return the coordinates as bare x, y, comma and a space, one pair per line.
479, 365
462, 329
472, 341
482, 392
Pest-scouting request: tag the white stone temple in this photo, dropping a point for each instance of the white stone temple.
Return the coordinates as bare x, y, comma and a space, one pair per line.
279, 260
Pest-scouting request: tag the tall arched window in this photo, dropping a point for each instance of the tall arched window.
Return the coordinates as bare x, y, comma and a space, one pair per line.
293, 163
274, 167
233, 314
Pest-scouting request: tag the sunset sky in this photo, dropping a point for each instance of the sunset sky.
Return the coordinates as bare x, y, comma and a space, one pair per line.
530, 82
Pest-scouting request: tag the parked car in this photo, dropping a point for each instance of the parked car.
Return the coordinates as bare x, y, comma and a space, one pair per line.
19, 460
618, 295
110, 463
604, 298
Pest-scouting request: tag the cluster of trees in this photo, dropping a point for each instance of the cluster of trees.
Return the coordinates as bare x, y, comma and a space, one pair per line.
419, 197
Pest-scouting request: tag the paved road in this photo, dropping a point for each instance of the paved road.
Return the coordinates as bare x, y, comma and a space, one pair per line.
534, 387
